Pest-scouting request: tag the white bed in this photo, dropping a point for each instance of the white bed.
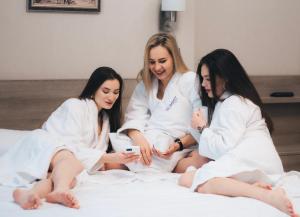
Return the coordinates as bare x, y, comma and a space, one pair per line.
123, 193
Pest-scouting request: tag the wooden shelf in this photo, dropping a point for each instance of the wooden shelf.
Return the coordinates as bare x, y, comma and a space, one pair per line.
273, 100
266, 85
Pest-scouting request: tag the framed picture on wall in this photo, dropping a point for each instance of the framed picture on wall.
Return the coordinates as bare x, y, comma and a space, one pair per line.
64, 5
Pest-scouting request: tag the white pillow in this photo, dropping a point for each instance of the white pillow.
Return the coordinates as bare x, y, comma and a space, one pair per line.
9, 138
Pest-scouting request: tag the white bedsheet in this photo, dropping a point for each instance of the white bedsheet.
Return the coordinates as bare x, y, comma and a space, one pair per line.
120, 193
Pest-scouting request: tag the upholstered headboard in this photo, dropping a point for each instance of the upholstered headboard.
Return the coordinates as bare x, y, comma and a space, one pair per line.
26, 104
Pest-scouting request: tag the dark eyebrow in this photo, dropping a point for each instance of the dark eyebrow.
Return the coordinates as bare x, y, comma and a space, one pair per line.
106, 88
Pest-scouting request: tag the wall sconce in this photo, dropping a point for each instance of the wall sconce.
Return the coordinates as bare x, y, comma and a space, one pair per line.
167, 15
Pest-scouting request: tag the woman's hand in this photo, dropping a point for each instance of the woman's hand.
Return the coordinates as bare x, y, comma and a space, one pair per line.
168, 153
139, 139
121, 157
198, 120
146, 152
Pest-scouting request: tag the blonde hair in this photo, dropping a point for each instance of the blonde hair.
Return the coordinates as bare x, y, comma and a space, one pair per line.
167, 41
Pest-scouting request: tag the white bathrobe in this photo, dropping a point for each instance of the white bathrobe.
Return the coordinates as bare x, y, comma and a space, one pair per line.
72, 126
240, 144
160, 120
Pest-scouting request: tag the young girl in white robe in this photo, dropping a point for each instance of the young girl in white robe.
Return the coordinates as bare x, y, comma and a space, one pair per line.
74, 138
159, 112
236, 136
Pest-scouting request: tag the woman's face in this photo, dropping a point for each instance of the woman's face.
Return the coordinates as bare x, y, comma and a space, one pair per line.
107, 94
220, 84
161, 64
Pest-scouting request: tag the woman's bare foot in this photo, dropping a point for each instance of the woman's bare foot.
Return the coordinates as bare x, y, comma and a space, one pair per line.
26, 199
263, 185
278, 199
65, 198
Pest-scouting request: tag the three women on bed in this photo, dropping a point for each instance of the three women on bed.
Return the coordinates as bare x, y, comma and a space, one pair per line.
159, 112
74, 138
236, 136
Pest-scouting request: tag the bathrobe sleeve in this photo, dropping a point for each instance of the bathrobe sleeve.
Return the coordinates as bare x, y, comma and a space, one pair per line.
96, 153
73, 124
65, 123
137, 113
189, 87
227, 128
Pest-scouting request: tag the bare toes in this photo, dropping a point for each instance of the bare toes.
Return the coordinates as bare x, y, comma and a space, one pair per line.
64, 198
73, 201
26, 199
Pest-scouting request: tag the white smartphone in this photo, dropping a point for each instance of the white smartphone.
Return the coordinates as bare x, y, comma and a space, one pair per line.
133, 149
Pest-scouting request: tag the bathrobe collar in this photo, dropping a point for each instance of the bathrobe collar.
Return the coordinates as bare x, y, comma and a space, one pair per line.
225, 95
93, 110
173, 79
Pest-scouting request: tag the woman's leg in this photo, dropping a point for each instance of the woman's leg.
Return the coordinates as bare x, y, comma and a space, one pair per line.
186, 179
65, 168
31, 199
234, 188
193, 159
113, 166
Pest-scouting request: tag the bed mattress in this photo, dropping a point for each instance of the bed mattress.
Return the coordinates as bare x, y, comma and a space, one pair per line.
119, 193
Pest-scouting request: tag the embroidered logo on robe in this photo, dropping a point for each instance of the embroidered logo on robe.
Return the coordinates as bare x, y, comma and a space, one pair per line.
174, 100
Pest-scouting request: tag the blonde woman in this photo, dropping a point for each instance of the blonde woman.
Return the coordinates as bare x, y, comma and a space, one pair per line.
159, 112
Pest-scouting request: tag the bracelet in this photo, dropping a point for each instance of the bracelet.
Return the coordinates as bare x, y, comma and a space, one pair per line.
179, 142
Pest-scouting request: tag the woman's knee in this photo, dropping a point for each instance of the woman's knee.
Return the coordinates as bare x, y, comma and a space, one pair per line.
186, 179
209, 185
66, 155
203, 188
60, 155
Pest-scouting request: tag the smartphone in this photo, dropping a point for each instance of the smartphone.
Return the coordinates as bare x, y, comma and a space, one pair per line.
133, 149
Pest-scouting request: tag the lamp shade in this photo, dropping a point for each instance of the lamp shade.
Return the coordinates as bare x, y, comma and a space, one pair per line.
173, 5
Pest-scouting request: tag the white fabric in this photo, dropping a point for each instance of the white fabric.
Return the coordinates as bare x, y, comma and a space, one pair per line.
160, 120
72, 126
75, 122
119, 193
239, 143
10, 137
126, 194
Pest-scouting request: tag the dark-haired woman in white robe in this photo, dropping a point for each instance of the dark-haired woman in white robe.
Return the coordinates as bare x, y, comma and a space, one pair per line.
74, 138
236, 136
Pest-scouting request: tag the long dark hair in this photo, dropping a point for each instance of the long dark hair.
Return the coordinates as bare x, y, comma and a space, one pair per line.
225, 65
98, 77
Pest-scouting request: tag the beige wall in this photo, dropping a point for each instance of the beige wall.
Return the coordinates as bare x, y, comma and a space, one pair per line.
265, 35
59, 45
